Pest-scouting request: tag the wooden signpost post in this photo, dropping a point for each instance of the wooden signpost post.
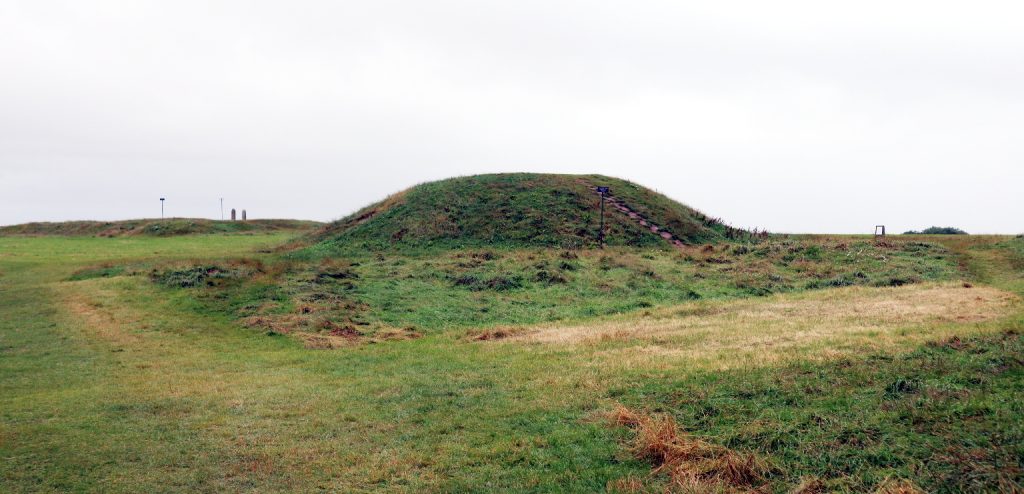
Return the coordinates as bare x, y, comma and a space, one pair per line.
603, 191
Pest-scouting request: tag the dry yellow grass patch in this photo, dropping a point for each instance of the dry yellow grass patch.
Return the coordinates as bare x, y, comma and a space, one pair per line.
692, 464
820, 324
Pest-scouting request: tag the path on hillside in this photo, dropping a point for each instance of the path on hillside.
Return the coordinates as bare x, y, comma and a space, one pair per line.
638, 218
992, 266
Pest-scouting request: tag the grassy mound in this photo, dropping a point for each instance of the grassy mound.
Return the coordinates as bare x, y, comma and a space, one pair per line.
153, 227
520, 209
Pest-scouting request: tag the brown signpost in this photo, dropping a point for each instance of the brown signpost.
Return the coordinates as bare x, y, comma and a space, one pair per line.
604, 191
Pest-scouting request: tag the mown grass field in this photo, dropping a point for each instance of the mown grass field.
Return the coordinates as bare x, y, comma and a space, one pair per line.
168, 227
786, 370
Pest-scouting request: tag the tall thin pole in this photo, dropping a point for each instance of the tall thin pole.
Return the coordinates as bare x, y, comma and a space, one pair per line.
602, 220
161, 208
222, 209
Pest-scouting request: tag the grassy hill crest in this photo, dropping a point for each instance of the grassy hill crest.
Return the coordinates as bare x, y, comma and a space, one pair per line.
522, 209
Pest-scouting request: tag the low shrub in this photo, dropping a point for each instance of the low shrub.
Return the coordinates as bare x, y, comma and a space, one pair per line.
195, 276
496, 283
96, 272
937, 230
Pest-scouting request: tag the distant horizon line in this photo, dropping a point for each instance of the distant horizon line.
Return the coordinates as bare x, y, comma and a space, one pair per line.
1012, 233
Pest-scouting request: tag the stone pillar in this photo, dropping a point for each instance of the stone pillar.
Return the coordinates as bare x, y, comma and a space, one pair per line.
243, 215
232, 214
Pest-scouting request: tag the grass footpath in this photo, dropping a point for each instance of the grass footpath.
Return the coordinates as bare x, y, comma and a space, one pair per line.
110, 382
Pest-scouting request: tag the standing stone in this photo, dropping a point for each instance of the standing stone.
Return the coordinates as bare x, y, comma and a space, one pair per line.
243, 215
232, 214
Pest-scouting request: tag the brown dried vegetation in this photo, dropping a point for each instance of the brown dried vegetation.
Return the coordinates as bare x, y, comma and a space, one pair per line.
497, 333
898, 486
692, 464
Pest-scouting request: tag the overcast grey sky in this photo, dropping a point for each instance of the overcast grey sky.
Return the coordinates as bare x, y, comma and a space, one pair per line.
793, 116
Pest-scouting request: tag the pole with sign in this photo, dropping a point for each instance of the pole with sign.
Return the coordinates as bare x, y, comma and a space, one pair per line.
603, 191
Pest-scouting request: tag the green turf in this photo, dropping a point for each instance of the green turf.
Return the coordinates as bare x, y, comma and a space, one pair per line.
946, 416
113, 381
155, 227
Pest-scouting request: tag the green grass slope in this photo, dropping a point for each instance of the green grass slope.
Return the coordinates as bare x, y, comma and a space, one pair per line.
433, 292
153, 227
112, 383
518, 209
